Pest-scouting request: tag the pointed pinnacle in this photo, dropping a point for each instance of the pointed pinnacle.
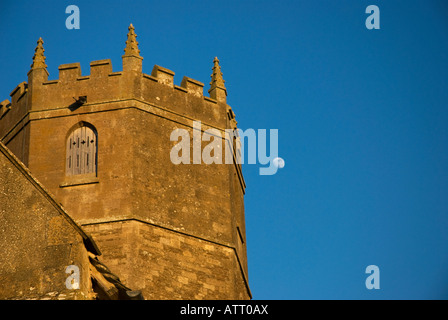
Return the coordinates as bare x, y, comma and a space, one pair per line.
217, 79
131, 43
39, 58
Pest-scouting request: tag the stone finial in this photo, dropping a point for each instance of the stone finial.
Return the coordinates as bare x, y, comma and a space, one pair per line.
131, 44
217, 80
38, 72
39, 58
217, 90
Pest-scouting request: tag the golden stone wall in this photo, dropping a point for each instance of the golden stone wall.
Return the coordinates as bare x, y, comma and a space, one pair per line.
172, 231
38, 241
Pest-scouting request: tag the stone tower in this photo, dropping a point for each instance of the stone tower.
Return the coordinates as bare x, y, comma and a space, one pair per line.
100, 143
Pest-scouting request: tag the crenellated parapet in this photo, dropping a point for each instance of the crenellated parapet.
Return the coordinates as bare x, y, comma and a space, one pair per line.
5, 106
12, 111
163, 75
193, 86
103, 85
69, 72
18, 92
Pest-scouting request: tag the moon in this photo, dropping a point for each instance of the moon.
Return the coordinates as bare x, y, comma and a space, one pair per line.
279, 162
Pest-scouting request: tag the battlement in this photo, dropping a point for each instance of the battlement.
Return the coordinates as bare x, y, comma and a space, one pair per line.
18, 92
5, 106
193, 86
103, 85
12, 111
163, 75
69, 72
100, 68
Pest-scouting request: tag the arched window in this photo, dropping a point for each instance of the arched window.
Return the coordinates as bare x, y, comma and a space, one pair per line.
81, 151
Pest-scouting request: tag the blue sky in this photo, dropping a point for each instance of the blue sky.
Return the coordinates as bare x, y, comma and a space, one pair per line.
362, 118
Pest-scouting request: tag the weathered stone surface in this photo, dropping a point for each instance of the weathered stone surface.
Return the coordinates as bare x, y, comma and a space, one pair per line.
154, 221
37, 239
167, 264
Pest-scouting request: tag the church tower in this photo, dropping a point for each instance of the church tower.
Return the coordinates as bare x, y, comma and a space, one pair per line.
100, 143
